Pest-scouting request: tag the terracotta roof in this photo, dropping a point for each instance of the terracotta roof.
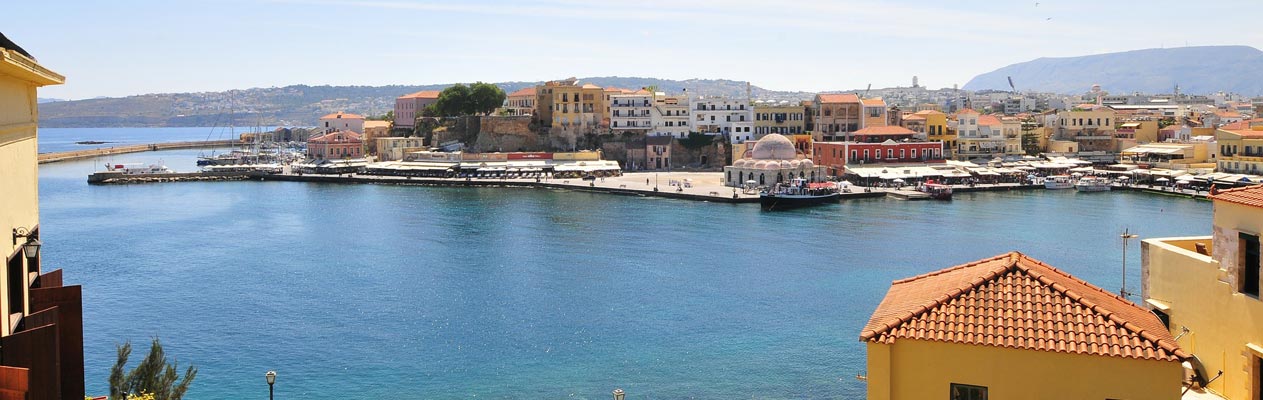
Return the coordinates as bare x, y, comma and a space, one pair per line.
1015, 301
874, 102
988, 120
1249, 196
966, 111
424, 94
339, 136
884, 130
530, 91
928, 112
376, 124
839, 98
913, 117
590, 86
342, 115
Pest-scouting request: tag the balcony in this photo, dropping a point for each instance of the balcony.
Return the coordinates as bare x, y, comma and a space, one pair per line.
1242, 158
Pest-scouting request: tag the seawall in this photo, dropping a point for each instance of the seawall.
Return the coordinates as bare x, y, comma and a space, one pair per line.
135, 148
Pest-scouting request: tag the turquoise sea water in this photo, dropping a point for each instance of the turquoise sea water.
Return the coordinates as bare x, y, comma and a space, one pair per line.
63, 139
372, 292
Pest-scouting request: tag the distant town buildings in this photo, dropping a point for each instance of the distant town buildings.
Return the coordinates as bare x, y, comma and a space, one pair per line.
336, 145
408, 107
342, 121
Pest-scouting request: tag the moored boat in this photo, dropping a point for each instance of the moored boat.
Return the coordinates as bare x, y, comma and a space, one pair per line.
798, 193
1058, 182
936, 191
138, 169
1092, 184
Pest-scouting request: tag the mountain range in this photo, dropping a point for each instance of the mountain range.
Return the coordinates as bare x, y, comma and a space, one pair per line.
1197, 70
302, 105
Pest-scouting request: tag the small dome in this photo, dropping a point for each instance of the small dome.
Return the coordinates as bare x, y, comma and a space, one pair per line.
786, 164
740, 163
759, 165
794, 164
774, 147
808, 164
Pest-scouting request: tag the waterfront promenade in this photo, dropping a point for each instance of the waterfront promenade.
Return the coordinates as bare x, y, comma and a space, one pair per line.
135, 148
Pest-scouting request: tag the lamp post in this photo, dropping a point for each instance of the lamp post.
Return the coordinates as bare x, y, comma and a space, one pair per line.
32, 245
618, 394
271, 377
1127, 235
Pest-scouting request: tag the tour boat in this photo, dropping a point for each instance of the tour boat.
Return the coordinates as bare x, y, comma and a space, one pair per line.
936, 191
1058, 182
1092, 184
798, 193
138, 169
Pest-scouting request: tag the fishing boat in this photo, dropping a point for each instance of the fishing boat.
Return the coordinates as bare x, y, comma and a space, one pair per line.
797, 193
1092, 184
138, 169
1058, 182
937, 191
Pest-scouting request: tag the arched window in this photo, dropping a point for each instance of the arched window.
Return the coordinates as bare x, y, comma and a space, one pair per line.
761, 181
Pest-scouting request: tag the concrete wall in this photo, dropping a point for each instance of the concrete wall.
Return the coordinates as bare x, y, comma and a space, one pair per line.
918, 369
506, 133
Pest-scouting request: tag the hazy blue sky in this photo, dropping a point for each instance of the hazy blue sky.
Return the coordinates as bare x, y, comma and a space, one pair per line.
118, 48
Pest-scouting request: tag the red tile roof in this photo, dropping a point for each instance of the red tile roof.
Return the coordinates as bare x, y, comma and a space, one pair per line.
988, 120
913, 117
966, 111
336, 137
874, 102
884, 130
530, 91
838, 98
342, 115
1015, 301
929, 112
424, 94
1249, 196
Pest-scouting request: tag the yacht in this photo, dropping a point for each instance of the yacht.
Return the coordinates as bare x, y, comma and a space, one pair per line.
1058, 182
1092, 184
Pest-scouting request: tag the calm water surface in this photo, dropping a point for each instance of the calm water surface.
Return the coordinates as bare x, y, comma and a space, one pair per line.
63, 139
368, 292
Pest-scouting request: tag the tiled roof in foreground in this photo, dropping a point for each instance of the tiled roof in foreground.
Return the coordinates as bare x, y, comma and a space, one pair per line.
1250, 195
1015, 301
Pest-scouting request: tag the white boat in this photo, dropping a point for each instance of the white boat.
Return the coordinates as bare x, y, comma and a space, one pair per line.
138, 169
1092, 184
1058, 182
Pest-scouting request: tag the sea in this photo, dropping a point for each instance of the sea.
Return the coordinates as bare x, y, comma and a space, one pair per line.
64, 139
404, 292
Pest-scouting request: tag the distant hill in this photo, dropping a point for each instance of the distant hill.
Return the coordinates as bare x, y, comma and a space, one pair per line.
47, 100
1198, 70
302, 105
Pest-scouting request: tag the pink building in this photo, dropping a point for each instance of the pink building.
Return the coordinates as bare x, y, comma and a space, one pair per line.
335, 145
407, 107
342, 121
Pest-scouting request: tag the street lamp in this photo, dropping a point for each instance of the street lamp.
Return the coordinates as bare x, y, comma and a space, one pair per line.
271, 377
32, 245
618, 394
1127, 235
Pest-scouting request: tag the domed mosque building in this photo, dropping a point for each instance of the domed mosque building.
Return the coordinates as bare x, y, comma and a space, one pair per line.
773, 159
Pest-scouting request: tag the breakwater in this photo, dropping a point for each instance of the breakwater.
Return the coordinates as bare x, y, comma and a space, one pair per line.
109, 177
135, 148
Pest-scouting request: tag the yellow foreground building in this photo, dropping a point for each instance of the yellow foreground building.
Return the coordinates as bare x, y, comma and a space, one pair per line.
1012, 327
1207, 287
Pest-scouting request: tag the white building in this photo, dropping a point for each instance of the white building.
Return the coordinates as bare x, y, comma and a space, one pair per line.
342, 121
669, 116
631, 112
723, 116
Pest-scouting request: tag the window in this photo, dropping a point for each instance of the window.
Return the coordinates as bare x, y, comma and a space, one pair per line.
17, 279
1249, 267
1164, 317
968, 392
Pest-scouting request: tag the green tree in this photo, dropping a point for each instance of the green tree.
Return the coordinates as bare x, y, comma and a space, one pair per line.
153, 376
485, 98
388, 116
696, 140
454, 101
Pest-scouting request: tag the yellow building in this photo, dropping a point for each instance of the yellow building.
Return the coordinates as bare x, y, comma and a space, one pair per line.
1090, 126
782, 118
935, 124
1208, 289
567, 106
1240, 147
41, 333
372, 131
1012, 327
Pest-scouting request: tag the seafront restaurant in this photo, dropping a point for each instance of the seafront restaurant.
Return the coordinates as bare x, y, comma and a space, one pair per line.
1012, 327
515, 165
1206, 290
41, 333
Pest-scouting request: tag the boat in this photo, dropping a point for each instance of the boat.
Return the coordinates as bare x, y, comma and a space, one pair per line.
138, 169
937, 191
797, 193
1092, 184
1058, 182
91, 142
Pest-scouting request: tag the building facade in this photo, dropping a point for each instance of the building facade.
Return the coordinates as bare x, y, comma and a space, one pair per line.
1240, 147
836, 116
336, 145
1090, 126
1206, 289
722, 116
782, 118
836, 156
372, 131
1018, 329
342, 121
394, 148
408, 107
41, 335
670, 117
521, 102
773, 159
631, 112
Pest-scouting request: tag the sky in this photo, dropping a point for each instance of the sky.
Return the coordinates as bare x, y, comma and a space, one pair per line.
121, 48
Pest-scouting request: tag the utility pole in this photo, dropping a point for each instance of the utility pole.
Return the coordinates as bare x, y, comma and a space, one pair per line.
1127, 236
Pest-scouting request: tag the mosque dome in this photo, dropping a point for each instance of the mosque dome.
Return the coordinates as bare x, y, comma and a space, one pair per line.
808, 164
774, 147
740, 163
793, 164
759, 165
786, 164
